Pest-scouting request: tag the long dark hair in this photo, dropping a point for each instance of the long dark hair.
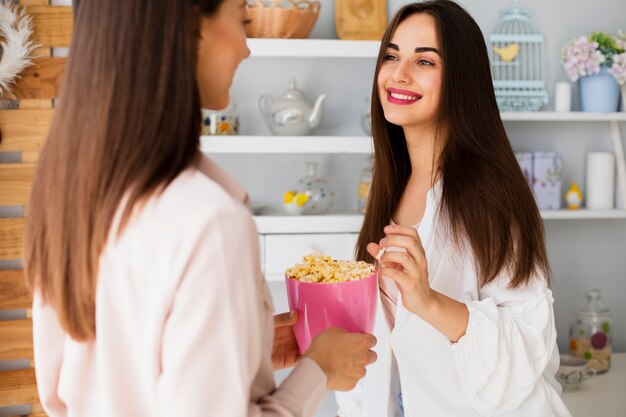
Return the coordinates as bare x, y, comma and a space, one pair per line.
486, 201
127, 124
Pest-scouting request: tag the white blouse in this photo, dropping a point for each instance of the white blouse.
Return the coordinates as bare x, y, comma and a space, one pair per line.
504, 365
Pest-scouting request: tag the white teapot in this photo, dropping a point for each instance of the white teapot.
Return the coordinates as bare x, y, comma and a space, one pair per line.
289, 114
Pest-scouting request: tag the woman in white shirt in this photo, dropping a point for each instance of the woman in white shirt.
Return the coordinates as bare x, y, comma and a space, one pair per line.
468, 323
142, 255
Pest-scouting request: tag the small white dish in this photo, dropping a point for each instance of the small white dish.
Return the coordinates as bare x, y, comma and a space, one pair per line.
257, 208
572, 371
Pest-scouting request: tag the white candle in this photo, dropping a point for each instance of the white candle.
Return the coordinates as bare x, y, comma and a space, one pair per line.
563, 96
600, 180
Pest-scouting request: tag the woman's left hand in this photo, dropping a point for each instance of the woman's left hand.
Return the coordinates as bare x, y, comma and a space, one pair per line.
285, 353
409, 269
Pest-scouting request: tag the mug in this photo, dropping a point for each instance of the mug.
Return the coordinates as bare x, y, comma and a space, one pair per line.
220, 122
572, 371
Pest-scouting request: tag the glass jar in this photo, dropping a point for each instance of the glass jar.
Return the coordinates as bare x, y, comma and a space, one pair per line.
364, 189
591, 333
366, 117
311, 194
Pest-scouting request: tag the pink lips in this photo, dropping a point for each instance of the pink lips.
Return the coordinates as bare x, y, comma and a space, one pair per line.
394, 100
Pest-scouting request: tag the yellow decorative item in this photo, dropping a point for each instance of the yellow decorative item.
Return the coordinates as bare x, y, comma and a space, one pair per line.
301, 199
289, 197
508, 53
574, 197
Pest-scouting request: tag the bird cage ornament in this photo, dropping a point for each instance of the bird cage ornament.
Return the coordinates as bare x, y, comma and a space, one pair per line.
517, 60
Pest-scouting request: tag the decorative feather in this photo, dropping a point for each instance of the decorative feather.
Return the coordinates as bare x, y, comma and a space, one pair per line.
16, 29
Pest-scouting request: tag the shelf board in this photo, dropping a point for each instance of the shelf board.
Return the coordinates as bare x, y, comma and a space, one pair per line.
351, 223
328, 223
583, 214
313, 48
551, 116
286, 144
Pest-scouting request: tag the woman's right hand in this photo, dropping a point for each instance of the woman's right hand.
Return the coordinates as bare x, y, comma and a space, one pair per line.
342, 356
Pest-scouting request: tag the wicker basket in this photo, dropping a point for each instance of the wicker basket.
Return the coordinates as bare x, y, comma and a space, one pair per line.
273, 20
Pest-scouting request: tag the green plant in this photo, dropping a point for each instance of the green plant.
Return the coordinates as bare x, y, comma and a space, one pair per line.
607, 46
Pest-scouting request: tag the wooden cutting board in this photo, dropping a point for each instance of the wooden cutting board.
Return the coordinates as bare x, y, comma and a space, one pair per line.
360, 19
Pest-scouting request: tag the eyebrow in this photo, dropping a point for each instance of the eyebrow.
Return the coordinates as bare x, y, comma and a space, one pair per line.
417, 50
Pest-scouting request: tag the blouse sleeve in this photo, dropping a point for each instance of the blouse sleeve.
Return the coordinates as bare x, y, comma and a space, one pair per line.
213, 341
48, 344
508, 344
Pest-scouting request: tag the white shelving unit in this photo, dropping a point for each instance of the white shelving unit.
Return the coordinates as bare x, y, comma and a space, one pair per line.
286, 144
612, 118
329, 223
351, 223
574, 116
313, 48
583, 214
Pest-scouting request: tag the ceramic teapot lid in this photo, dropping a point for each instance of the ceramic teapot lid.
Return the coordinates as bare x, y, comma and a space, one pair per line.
292, 94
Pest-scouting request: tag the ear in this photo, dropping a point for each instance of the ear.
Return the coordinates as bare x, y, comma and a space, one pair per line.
205, 24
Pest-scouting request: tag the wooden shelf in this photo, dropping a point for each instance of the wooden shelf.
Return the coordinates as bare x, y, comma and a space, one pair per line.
351, 223
286, 144
313, 48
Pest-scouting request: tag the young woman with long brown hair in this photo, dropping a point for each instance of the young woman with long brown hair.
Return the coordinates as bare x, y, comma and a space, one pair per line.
141, 253
468, 326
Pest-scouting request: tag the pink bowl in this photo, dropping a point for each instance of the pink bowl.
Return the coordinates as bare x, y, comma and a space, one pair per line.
347, 305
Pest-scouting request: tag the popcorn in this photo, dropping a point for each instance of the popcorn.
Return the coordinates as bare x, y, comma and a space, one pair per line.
324, 269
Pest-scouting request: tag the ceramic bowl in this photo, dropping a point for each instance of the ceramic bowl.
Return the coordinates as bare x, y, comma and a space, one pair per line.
347, 305
572, 371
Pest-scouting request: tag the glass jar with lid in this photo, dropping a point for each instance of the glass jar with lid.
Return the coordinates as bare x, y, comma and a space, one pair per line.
591, 333
363, 191
311, 194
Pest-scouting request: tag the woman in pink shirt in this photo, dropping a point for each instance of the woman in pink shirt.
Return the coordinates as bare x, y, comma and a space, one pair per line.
141, 253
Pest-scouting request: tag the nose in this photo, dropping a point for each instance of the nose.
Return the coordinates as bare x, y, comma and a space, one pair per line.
400, 73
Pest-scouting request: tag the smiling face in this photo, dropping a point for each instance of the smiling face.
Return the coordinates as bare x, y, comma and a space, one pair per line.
221, 47
411, 74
